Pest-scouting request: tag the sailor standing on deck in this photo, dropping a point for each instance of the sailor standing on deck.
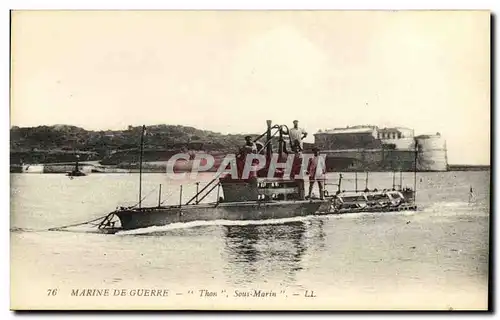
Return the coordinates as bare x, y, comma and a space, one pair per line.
297, 135
316, 172
296, 164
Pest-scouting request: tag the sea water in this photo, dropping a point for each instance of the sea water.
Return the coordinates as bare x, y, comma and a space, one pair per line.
436, 257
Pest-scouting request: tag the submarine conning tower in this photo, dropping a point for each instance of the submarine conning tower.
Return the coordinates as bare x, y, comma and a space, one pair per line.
265, 185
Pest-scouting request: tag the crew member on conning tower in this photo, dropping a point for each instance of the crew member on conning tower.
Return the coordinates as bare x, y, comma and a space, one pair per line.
241, 159
297, 135
250, 146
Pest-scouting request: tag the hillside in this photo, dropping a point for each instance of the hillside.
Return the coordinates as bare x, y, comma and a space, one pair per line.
62, 142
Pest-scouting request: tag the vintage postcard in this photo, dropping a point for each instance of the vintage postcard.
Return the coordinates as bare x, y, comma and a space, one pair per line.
250, 160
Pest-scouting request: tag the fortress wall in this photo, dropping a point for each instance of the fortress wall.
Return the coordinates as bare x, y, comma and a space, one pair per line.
377, 160
399, 160
401, 144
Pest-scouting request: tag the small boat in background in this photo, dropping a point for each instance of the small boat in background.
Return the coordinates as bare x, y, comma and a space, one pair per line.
76, 172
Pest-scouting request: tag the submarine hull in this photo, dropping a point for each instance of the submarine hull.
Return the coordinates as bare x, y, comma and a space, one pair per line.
160, 216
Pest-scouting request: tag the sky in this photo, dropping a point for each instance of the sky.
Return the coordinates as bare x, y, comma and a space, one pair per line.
229, 71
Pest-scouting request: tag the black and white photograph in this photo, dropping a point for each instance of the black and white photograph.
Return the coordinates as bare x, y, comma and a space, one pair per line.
250, 160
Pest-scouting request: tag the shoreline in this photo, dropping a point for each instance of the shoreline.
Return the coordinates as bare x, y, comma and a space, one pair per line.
156, 167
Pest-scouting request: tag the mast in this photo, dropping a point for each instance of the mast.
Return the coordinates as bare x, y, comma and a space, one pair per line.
140, 165
415, 173
268, 142
218, 192
356, 181
159, 197
280, 143
340, 182
180, 197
